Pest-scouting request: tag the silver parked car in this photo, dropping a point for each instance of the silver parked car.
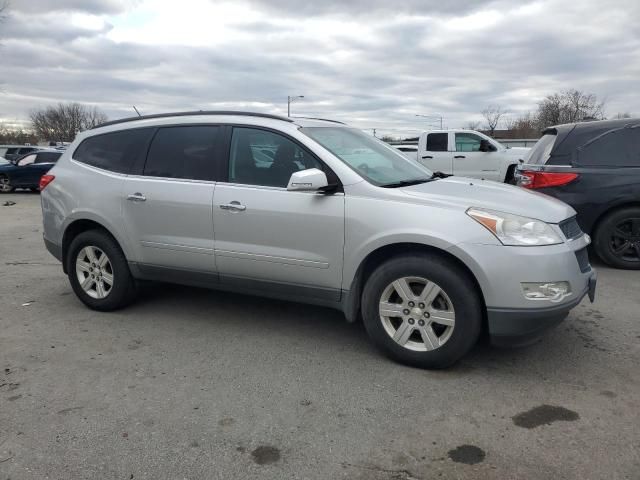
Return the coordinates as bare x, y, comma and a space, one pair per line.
312, 211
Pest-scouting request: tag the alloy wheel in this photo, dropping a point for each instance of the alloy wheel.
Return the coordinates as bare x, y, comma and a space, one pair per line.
417, 313
94, 272
625, 240
5, 185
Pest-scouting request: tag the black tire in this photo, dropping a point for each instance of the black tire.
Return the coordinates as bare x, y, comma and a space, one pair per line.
457, 285
123, 290
619, 229
6, 186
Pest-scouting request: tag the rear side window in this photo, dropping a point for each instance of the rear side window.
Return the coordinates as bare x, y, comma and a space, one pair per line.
437, 142
617, 148
540, 152
186, 152
48, 157
115, 151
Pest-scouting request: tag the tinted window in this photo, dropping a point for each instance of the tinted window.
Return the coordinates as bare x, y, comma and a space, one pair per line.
26, 150
618, 148
28, 160
183, 152
11, 151
540, 152
114, 151
48, 157
437, 142
467, 142
260, 157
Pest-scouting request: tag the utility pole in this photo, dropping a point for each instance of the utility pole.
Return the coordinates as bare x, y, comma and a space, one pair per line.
290, 100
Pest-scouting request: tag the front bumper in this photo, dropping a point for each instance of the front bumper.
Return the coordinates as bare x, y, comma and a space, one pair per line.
519, 327
500, 271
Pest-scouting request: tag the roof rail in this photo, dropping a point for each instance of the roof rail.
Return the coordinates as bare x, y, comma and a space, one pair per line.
197, 112
323, 119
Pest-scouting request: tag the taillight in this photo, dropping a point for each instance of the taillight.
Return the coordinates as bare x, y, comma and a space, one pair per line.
532, 179
45, 180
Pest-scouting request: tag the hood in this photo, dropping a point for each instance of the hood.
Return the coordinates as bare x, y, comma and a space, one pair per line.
470, 192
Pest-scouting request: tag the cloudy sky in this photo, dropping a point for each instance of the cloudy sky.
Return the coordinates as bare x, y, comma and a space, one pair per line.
372, 63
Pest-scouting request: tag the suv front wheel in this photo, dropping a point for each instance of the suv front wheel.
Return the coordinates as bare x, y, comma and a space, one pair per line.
98, 271
422, 310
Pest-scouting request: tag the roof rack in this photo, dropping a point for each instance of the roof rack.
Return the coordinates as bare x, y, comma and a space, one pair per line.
197, 112
323, 119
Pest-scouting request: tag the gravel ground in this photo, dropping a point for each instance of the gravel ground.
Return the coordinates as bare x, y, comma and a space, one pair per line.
195, 384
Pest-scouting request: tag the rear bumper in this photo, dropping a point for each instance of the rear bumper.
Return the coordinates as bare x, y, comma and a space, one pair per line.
54, 249
511, 327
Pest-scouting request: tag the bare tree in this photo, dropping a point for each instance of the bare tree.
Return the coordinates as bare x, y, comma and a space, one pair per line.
569, 106
16, 136
472, 125
524, 126
492, 115
61, 123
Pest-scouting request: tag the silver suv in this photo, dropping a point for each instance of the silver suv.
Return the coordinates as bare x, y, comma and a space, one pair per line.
312, 211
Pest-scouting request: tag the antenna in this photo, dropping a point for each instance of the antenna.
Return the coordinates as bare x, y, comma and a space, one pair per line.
134, 107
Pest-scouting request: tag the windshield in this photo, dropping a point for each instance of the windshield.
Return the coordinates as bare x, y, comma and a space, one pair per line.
373, 159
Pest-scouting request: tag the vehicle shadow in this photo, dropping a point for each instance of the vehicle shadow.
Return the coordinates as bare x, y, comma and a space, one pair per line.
326, 331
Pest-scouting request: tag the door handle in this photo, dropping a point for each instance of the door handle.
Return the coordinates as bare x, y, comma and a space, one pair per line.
136, 197
233, 206
427, 156
459, 156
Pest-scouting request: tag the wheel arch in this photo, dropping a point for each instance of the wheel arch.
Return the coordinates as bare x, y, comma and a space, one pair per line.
79, 225
351, 302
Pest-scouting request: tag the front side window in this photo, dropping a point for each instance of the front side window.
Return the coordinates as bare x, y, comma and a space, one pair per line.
24, 151
185, 152
115, 151
28, 160
372, 159
261, 157
437, 142
48, 157
468, 142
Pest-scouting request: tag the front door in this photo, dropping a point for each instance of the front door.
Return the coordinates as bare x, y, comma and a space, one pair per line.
270, 238
167, 209
469, 161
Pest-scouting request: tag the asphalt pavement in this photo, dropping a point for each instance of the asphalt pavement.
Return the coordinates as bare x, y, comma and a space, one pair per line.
196, 384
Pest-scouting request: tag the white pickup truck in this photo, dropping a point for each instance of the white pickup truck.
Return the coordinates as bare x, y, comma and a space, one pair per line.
465, 153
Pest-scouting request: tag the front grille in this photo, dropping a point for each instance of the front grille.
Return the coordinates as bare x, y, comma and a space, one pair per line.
570, 228
583, 260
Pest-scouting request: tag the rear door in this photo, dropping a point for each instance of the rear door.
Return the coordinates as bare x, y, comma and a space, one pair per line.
267, 237
24, 171
167, 203
469, 161
435, 153
44, 162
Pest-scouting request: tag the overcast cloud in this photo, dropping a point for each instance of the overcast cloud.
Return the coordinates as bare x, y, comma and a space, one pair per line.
372, 63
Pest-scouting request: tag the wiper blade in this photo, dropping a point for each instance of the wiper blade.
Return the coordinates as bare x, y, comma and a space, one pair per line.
440, 175
406, 183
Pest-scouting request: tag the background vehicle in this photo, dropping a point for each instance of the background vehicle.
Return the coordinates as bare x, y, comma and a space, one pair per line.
316, 212
25, 171
12, 152
595, 168
468, 153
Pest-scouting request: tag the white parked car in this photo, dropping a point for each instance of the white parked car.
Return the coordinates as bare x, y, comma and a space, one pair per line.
467, 153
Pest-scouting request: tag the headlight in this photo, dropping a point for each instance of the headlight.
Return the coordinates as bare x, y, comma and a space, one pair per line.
515, 230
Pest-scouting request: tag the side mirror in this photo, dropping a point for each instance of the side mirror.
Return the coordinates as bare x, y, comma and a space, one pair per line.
485, 146
309, 180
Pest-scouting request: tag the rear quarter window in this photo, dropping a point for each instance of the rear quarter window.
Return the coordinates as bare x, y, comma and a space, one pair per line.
541, 151
616, 148
116, 151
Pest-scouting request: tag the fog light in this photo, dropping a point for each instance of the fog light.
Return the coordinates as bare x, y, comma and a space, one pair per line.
552, 291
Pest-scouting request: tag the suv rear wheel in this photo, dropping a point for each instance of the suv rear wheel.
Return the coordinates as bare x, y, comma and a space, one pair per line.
422, 310
98, 271
617, 239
